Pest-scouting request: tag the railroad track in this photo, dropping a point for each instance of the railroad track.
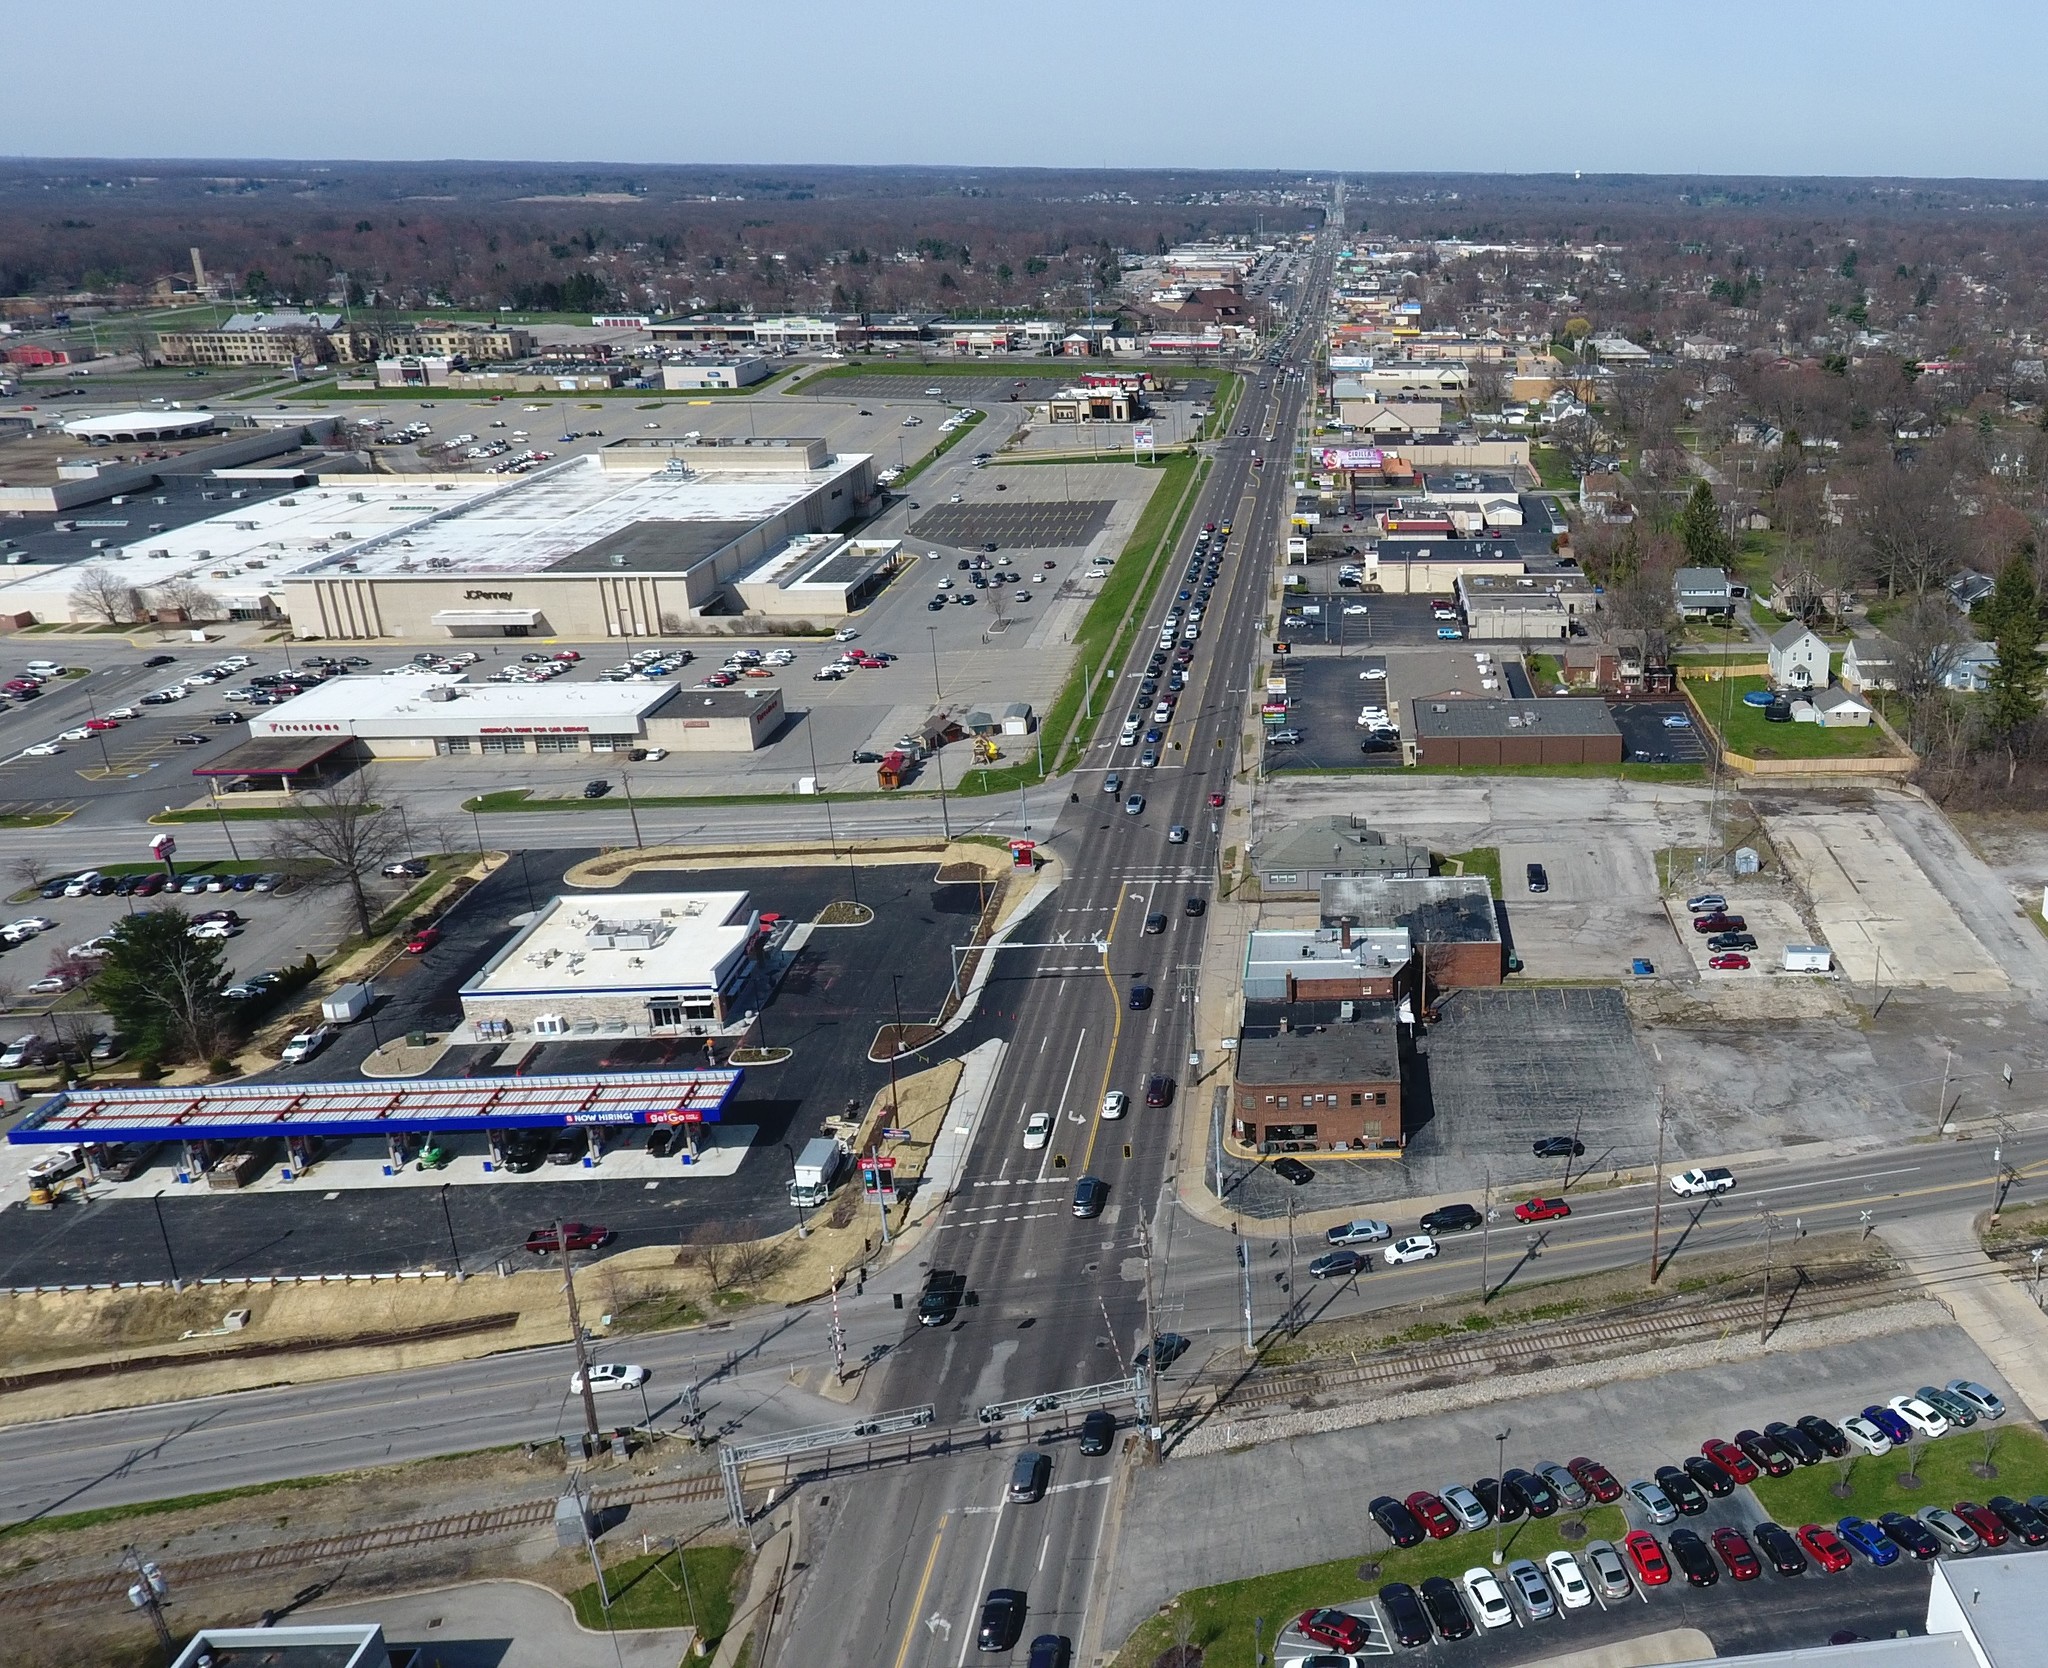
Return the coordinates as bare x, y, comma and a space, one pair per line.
1822, 1295
81, 1592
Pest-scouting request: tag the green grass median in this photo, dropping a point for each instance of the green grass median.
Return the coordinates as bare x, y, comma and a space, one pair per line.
1222, 1616
692, 1588
1946, 1470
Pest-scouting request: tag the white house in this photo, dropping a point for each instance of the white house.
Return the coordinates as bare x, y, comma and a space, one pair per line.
1870, 663
1799, 659
1835, 708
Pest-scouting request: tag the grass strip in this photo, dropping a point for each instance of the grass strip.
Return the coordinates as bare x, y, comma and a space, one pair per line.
1221, 1617
946, 443
1944, 1468
692, 1587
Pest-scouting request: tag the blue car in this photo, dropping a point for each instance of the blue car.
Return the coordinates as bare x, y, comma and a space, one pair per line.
1890, 1423
1869, 1540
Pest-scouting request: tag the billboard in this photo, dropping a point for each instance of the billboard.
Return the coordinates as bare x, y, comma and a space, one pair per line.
1141, 439
1341, 458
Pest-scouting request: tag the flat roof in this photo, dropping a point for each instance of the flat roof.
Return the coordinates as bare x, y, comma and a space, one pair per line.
442, 703
1443, 909
272, 756
1368, 1046
653, 942
251, 1111
1476, 716
141, 425
653, 547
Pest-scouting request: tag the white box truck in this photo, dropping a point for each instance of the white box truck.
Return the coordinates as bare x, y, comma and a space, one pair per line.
818, 1166
1809, 958
347, 1004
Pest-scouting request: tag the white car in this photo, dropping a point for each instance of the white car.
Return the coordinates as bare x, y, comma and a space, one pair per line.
1863, 1434
1486, 1596
79, 734
1374, 674
43, 750
1357, 608
27, 927
1416, 1248
1695, 1184
609, 1375
1115, 1103
124, 712
1567, 1580
51, 984
307, 1044
1037, 1130
79, 885
1920, 1415
212, 929
93, 948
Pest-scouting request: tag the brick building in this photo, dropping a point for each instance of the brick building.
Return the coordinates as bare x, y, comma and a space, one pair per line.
1308, 1080
1464, 731
1449, 919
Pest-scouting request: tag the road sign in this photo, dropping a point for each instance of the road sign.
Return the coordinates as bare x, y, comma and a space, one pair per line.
163, 846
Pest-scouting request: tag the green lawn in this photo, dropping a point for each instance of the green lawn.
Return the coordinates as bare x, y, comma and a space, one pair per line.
1480, 860
1745, 729
650, 1592
1223, 1615
1552, 470
2019, 1455
946, 443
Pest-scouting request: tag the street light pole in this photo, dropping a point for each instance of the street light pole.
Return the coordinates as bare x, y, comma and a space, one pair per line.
1500, 1460
448, 1217
157, 1199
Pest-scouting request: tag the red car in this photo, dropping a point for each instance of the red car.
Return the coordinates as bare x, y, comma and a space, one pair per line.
422, 941
98, 724
1985, 1521
582, 1236
1648, 1558
1719, 921
567, 654
1215, 802
1337, 1629
1730, 1459
1541, 1210
1734, 1550
1595, 1479
1825, 1547
1434, 1516
1730, 963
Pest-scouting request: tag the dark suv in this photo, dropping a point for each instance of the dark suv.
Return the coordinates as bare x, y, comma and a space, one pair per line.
1451, 1219
940, 1300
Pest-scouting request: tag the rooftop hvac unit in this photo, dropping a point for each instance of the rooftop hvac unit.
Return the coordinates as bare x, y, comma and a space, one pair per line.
356, 498
246, 526
443, 692
288, 503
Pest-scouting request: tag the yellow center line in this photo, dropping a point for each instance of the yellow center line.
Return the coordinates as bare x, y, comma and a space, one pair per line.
1116, 1026
917, 1602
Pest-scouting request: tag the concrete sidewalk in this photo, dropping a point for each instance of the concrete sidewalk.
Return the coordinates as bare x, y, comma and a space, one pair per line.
1944, 1254
506, 1624
978, 1068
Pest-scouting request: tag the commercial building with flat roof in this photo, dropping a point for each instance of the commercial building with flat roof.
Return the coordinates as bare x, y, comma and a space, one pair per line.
642, 964
1291, 861
1558, 729
1325, 963
1318, 1077
430, 714
819, 576
1450, 920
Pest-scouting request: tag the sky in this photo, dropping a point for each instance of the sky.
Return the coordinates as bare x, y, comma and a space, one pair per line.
1733, 87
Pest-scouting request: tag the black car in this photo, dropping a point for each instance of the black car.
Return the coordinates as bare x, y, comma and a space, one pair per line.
1162, 1352
1293, 1170
658, 1142
1405, 1615
597, 789
1091, 1193
1910, 1534
1098, 1431
1141, 996
1723, 942
1709, 1476
1690, 1554
1446, 1610
1765, 1453
1451, 1219
1539, 879
1504, 1502
161, 660
1155, 922
867, 755
2026, 1524
1002, 1620
1780, 1549
1537, 1495
1832, 1442
1195, 906
1681, 1490
939, 1302
1797, 1443
1051, 1650
1558, 1146
1396, 1521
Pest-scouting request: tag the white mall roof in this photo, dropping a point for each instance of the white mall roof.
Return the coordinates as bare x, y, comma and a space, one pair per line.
140, 425
671, 942
401, 706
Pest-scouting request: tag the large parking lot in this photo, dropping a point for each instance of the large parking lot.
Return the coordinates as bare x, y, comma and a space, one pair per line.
827, 1010
1300, 1502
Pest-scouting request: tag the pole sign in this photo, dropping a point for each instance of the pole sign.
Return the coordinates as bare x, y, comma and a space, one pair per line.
162, 847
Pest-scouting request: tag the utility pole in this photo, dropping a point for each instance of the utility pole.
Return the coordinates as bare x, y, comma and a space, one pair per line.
1485, 1231
1941, 1106
1244, 1263
1500, 1460
1151, 1341
1291, 1305
576, 1333
1771, 1224
1657, 1193
147, 1594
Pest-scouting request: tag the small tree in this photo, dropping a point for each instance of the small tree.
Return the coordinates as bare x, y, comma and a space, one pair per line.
100, 593
190, 598
161, 986
342, 838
